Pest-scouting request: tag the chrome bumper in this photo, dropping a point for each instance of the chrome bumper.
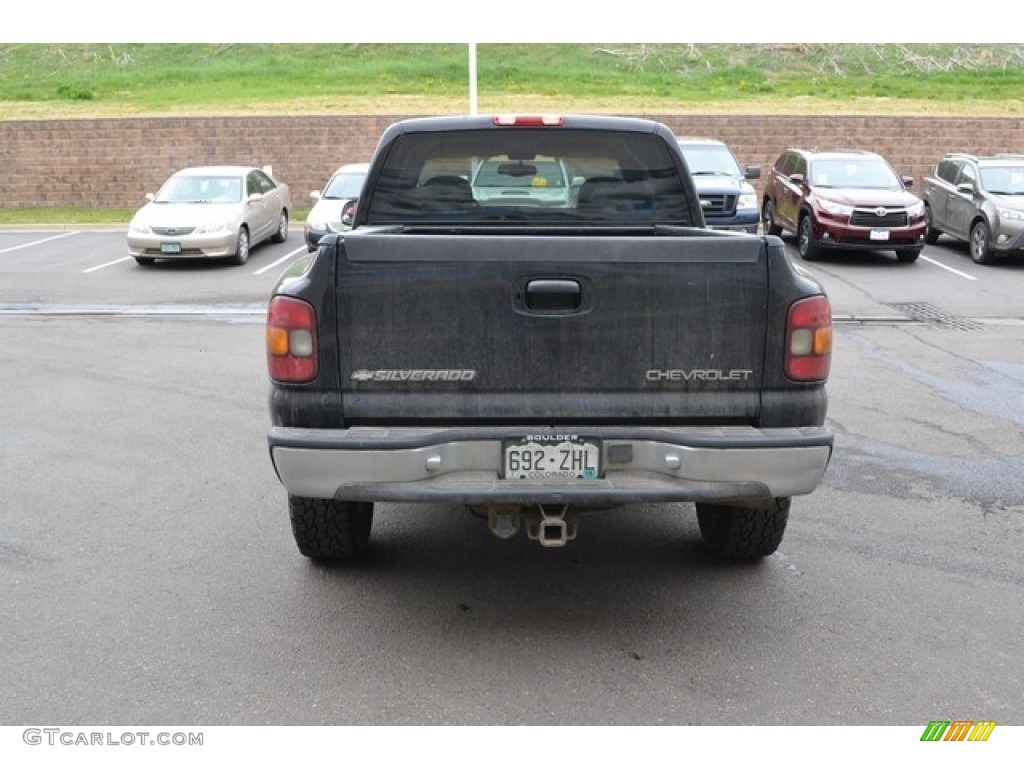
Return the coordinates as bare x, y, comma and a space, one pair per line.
464, 465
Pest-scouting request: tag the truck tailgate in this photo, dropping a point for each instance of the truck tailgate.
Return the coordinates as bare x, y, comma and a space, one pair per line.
558, 329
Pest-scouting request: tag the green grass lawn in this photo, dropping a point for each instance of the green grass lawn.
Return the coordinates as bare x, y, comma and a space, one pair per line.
82, 79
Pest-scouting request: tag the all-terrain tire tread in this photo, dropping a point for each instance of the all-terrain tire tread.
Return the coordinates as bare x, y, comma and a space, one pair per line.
743, 534
330, 529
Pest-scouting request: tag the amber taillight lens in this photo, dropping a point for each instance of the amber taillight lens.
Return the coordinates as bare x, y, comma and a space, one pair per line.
809, 339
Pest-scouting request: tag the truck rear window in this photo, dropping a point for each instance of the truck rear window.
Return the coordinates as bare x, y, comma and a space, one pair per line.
557, 176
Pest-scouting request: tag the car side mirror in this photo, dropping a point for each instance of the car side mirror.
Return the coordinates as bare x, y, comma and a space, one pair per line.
315, 195
150, 197
255, 197
908, 181
577, 181
965, 189
348, 213
752, 172
798, 178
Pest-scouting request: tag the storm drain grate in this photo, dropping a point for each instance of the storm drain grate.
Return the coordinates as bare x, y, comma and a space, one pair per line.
928, 313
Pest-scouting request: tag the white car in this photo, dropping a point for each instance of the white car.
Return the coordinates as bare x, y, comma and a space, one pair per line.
329, 205
544, 181
215, 212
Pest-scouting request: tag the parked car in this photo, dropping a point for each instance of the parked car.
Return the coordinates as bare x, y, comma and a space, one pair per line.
214, 212
979, 200
542, 181
843, 199
728, 199
332, 203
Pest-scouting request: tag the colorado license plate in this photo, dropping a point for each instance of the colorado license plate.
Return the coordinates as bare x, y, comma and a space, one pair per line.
170, 247
554, 456
879, 234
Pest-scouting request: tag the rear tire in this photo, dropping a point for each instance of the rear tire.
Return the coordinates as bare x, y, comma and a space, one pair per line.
931, 234
908, 255
282, 228
329, 529
144, 261
768, 219
743, 533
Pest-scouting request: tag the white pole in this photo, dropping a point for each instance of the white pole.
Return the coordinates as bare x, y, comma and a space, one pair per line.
472, 78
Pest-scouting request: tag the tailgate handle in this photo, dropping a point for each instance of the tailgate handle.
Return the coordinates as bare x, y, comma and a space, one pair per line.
553, 295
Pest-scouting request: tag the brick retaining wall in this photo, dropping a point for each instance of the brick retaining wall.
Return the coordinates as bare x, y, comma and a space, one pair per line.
114, 162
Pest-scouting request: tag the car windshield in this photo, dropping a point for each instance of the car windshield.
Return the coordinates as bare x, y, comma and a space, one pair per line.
503, 172
201, 189
854, 173
345, 186
711, 161
1007, 180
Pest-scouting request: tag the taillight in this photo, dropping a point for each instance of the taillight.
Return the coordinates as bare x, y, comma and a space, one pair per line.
291, 340
809, 339
529, 121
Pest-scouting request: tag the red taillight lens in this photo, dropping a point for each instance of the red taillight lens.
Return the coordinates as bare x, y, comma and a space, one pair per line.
291, 340
809, 339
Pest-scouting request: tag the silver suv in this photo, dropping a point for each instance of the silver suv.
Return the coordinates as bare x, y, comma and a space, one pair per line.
979, 200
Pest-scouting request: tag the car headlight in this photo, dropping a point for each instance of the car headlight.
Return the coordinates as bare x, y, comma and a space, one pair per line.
1011, 213
747, 202
318, 224
915, 210
138, 228
214, 227
836, 209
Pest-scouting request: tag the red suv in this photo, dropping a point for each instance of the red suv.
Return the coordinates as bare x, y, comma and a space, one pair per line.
843, 199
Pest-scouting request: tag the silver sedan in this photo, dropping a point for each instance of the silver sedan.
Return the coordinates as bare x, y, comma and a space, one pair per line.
210, 212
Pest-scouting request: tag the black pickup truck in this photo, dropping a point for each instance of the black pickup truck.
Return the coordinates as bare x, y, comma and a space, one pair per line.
534, 355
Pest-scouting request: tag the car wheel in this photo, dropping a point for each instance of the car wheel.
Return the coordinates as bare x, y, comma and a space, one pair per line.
981, 244
144, 261
241, 247
908, 255
282, 228
931, 234
768, 219
743, 533
808, 248
330, 529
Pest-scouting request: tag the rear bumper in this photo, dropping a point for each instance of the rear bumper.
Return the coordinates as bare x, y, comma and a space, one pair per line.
463, 465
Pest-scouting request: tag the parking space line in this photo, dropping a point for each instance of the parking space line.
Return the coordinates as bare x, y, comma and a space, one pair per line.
283, 258
949, 269
38, 242
108, 264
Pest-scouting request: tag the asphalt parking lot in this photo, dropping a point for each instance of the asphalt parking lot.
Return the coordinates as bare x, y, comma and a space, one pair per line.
151, 574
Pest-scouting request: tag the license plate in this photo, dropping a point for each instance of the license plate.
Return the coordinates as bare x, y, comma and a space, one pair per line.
879, 234
555, 456
170, 247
